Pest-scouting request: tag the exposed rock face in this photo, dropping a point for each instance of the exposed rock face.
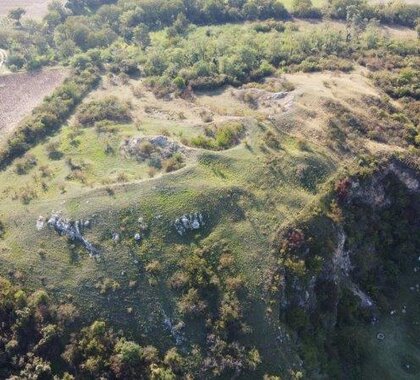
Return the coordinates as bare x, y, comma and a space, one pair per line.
342, 268
406, 176
189, 222
341, 259
73, 230
262, 98
339, 270
373, 192
174, 330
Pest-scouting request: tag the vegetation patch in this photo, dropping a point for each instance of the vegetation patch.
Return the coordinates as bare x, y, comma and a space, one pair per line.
220, 137
107, 109
159, 152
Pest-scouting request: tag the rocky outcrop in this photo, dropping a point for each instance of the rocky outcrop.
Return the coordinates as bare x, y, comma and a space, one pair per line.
73, 230
189, 222
141, 148
372, 191
342, 268
175, 330
371, 198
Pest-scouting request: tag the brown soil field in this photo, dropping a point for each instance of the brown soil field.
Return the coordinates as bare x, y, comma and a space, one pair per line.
21, 92
34, 8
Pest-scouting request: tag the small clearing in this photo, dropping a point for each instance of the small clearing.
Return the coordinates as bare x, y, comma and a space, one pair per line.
33, 8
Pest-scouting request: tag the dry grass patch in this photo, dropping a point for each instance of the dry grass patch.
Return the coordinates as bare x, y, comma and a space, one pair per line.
33, 8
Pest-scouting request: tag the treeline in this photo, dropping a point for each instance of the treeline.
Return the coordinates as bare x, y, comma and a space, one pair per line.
49, 116
158, 13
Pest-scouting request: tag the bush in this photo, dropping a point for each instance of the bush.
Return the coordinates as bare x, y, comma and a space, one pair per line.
179, 83
25, 164
109, 108
176, 162
219, 138
191, 304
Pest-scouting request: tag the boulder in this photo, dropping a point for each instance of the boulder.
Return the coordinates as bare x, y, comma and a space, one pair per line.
189, 222
40, 223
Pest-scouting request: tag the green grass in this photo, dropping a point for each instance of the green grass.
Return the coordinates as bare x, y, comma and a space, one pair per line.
389, 357
243, 200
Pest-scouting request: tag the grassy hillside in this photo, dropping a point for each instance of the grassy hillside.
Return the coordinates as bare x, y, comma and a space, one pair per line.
234, 177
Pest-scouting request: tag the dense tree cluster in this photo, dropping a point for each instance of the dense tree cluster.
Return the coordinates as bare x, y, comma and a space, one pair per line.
81, 25
43, 340
392, 12
109, 109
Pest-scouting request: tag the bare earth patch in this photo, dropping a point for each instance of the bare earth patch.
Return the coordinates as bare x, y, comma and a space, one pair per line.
21, 92
33, 8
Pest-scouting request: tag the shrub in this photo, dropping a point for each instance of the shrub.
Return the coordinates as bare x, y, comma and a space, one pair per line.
153, 267
219, 138
179, 83
152, 172
271, 140
176, 162
109, 108
25, 164
191, 304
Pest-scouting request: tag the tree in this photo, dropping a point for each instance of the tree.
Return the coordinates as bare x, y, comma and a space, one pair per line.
304, 8
126, 361
141, 35
16, 14
181, 23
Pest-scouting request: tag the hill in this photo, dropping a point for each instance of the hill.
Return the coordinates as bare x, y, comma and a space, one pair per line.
233, 186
